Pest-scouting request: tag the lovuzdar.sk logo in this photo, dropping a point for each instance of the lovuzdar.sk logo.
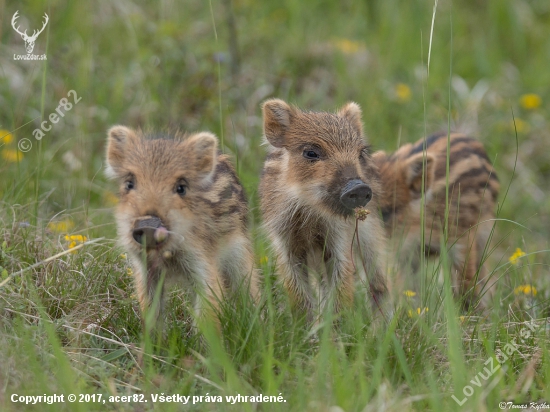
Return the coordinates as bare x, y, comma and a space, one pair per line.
29, 40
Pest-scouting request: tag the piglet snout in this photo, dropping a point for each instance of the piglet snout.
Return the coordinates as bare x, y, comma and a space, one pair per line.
149, 232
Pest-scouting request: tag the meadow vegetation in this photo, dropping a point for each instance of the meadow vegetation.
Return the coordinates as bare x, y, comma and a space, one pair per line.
72, 324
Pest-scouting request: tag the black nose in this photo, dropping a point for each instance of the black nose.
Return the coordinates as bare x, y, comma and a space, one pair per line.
149, 231
355, 194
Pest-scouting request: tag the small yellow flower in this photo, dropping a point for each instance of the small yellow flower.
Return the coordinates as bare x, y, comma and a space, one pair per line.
75, 240
62, 226
129, 272
530, 101
264, 260
526, 290
462, 318
123, 256
361, 213
514, 259
403, 92
347, 46
419, 312
5, 137
409, 293
520, 125
12, 156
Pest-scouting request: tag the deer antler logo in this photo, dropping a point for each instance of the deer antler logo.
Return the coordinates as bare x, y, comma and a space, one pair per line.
29, 40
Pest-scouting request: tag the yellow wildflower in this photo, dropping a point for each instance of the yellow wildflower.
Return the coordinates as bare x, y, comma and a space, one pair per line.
263, 260
403, 92
62, 226
530, 101
11, 155
75, 240
409, 293
5, 137
347, 46
123, 256
129, 272
521, 126
514, 259
361, 213
419, 312
526, 290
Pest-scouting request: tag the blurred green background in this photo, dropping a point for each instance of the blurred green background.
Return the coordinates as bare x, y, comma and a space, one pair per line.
208, 65
197, 65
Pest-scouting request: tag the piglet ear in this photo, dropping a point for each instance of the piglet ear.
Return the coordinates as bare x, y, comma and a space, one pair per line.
277, 118
201, 152
413, 172
352, 113
119, 139
379, 157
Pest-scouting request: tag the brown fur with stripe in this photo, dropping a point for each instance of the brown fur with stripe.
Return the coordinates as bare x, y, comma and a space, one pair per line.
309, 228
473, 191
208, 249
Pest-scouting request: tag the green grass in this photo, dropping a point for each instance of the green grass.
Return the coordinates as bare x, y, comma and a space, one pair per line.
72, 325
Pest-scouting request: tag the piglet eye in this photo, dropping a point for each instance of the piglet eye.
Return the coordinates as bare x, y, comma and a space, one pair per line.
181, 189
311, 154
129, 185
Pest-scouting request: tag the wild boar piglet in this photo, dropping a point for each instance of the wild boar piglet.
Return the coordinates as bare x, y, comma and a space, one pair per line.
473, 191
182, 216
317, 173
